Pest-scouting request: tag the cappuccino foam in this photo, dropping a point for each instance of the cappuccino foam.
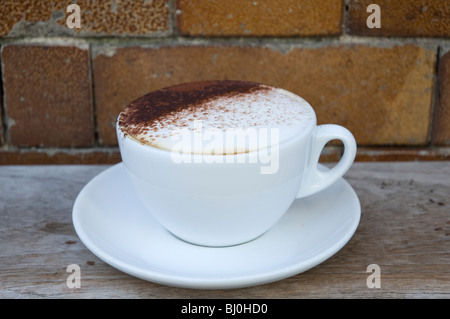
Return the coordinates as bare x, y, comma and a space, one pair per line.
210, 112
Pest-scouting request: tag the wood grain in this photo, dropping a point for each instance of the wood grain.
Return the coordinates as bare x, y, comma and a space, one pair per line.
404, 228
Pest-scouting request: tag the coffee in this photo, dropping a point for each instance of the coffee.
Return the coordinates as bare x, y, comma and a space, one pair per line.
210, 112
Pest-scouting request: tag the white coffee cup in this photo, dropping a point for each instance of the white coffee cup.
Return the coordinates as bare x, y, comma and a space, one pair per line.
215, 201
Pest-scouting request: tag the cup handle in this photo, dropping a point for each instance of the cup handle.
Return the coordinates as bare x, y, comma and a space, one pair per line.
315, 179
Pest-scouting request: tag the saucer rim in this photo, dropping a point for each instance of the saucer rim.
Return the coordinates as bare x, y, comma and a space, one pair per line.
210, 282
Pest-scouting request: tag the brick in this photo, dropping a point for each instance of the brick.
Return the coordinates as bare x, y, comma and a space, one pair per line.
401, 18
98, 18
1, 118
441, 118
12, 156
402, 154
259, 17
48, 95
382, 94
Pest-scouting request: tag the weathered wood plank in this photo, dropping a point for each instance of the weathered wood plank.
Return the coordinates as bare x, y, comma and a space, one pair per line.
404, 228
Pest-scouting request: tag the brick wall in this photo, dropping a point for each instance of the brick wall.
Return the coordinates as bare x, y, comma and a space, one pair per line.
62, 89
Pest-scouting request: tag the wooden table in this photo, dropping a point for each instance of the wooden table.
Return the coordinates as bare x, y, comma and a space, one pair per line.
404, 229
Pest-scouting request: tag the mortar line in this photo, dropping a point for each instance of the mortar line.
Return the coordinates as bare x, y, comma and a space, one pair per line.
177, 40
4, 114
435, 97
345, 16
172, 17
94, 105
115, 148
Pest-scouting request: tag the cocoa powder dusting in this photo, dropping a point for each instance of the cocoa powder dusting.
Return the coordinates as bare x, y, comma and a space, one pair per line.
140, 114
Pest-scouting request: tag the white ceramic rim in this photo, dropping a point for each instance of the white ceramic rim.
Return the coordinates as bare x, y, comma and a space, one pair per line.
210, 157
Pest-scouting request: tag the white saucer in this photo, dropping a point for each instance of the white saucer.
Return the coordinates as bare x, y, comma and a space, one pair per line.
112, 223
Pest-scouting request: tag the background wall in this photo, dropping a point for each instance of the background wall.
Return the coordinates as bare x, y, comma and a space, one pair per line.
62, 89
